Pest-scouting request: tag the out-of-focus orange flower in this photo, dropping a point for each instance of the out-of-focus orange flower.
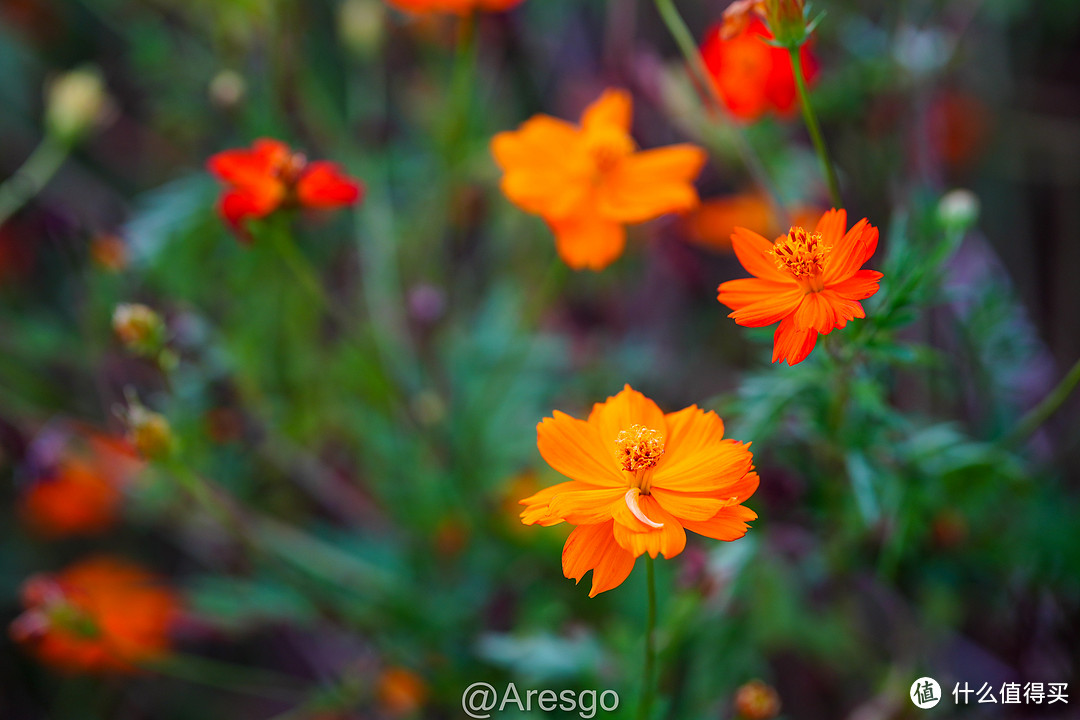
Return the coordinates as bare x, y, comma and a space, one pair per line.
756, 701
589, 181
109, 252
78, 491
101, 615
752, 76
639, 479
460, 7
713, 222
270, 176
809, 282
401, 692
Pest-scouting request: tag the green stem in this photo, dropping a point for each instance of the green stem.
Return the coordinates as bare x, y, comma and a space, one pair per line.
462, 82
298, 264
29, 179
814, 128
1049, 405
648, 683
685, 40
226, 676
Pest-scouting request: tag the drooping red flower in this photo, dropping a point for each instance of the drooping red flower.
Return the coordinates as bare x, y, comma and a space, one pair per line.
270, 176
752, 76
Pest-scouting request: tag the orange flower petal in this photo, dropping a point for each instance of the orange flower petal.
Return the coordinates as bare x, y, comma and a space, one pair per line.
752, 249
815, 312
585, 507
792, 344
546, 171
613, 109
854, 249
587, 240
690, 430
621, 412
652, 183
688, 506
324, 186
832, 226
576, 449
771, 309
637, 537
593, 547
728, 524
737, 294
859, 286
236, 206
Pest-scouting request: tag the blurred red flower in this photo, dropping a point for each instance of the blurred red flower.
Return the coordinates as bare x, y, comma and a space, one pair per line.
460, 7
752, 76
270, 176
101, 615
809, 282
78, 491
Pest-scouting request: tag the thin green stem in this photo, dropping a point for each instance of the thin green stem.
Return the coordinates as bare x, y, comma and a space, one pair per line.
1046, 408
226, 676
685, 40
298, 264
648, 681
462, 83
814, 128
29, 179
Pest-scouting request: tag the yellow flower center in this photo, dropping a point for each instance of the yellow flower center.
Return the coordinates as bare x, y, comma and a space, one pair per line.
801, 253
639, 448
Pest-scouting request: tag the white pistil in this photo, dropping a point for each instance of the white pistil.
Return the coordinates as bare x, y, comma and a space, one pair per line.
631, 498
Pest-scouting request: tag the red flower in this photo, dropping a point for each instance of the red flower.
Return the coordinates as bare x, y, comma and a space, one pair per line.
100, 615
752, 76
270, 176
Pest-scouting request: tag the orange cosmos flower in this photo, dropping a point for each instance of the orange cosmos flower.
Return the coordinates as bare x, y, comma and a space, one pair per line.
589, 180
76, 484
639, 479
752, 76
270, 176
460, 7
809, 282
101, 615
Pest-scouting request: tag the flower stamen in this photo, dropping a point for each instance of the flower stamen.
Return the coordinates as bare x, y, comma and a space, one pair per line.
801, 253
639, 448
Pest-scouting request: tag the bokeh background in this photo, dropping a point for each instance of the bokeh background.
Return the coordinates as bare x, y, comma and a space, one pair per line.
376, 452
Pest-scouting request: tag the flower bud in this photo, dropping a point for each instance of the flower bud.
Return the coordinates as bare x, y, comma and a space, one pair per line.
227, 89
361, 25
756, 701
149, 432
787, 22
958, 210
75, 103
140, 329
